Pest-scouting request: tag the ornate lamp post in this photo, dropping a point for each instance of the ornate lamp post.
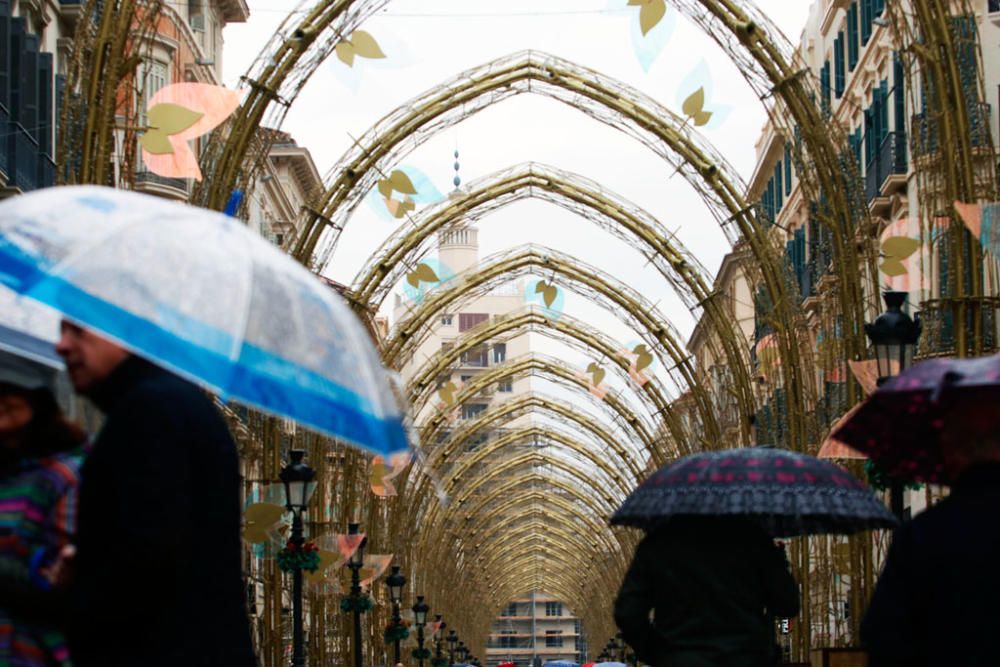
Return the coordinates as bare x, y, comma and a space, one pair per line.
452, 644
297, 479
420, 610
894, 338
396, 581
438, 638
356, 561
463, 653
620, 645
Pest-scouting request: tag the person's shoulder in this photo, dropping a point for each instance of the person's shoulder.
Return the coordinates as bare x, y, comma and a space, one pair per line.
167, 393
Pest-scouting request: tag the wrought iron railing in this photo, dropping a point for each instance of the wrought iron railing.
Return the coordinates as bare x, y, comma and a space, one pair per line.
925, 129
889, 160
22, 157
937, 316
156, 179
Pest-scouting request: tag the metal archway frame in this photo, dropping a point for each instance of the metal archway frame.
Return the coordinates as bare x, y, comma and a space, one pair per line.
644, 318
689, 280
565, 329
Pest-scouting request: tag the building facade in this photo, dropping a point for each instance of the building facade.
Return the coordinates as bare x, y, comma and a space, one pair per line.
533, 630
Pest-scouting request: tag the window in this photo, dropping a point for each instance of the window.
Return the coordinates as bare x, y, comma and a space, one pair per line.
553, 639
510, 610
446, 320
499, 353
788, 169
472, 411
477, 357
824, 85
505, 387
553, 609
468, 320
852, 36
154, 77
839, 73
464, 378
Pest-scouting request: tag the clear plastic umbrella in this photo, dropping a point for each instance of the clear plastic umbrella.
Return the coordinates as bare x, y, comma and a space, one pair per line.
28, 329
200, 294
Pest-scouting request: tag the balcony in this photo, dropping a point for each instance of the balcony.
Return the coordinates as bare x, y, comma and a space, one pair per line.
26, 167
938, 317
926, 141
171, 188
886, 174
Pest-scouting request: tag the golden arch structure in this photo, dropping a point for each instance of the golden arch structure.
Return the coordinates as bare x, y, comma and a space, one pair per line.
495, 568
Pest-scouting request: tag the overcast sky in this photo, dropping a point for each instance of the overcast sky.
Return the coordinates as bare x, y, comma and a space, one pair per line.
428, 41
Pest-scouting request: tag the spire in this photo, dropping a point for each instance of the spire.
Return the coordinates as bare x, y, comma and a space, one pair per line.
458, 179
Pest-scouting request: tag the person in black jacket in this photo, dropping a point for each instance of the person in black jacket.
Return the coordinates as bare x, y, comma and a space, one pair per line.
157, 575
937, 601
714, 587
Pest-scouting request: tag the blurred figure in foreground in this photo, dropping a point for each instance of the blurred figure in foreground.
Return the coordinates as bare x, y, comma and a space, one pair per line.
715, 587
937, 601
157, 578
40, 457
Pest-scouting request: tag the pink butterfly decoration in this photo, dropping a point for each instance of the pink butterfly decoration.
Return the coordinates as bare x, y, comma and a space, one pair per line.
215, 102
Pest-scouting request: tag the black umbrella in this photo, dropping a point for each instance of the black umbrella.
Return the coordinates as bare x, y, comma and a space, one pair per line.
792, 494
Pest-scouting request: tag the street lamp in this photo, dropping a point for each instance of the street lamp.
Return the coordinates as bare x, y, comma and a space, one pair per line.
355, 563
297, 479
620, 644
396, 581
894, 337
452, 644
463, 652
441, 625
420, 610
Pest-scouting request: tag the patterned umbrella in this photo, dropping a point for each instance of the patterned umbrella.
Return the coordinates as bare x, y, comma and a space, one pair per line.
900, 425
792, 494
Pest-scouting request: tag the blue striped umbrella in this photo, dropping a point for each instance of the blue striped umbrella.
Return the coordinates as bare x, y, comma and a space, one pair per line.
200, 294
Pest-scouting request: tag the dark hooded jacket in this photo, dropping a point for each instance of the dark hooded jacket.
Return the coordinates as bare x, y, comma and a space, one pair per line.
714, 587
158, 578
937, 601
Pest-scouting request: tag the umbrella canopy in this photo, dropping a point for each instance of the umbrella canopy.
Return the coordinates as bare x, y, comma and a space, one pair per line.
792, 494
197, 292
561, 663
899, 426
28, 329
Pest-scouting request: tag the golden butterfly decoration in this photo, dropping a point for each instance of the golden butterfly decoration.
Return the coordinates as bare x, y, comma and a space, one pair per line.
895, 249
164, 120
423, 273
548, 291
694, 108
262, 521
447, 393
642, 357
359, 44
651, 12
399, 182
596, 373
383, 472
327, 559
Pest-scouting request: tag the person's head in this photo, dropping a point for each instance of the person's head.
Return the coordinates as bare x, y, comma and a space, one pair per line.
31, 423
970, 435
89, 357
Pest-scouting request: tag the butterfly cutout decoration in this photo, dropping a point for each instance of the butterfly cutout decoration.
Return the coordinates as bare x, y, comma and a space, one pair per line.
348, 544
399, 182
694, 108
639, 359
548, 291
423, 273
895, 249
596, 373
866, 373
261, 522
176, 114
651, 12
983, 220
447, 393
767, 355
382, 474
359, 44
374, 567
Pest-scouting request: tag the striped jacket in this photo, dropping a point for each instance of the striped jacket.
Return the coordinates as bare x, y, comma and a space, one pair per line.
37, 518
